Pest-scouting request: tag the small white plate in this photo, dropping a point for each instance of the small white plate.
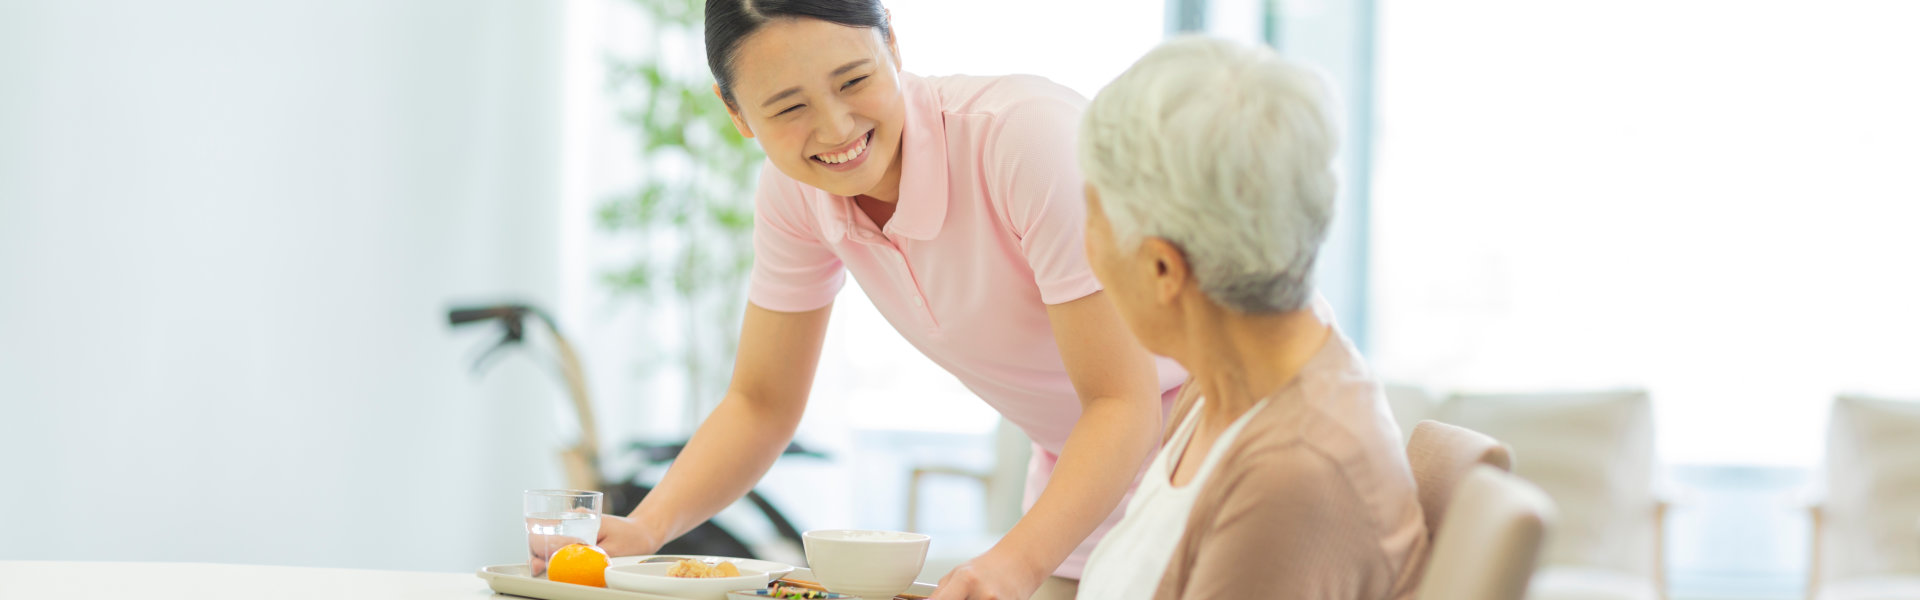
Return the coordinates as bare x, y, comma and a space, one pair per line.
652, 578
774, 570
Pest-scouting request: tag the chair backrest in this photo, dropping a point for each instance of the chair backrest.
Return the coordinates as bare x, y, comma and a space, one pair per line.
1441, 456
1870, 517
1490, 542
1592, 452
1410, 404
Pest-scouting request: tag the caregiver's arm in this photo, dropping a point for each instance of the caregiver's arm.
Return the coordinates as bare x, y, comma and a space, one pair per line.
1118, 429
738, 443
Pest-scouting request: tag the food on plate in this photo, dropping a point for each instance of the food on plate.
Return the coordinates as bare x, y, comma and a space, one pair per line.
799, 593
579, 563
694, 568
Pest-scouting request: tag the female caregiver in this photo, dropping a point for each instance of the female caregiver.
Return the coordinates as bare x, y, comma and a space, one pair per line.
958, 205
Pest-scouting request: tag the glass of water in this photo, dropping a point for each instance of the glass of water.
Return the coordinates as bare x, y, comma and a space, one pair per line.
556, 518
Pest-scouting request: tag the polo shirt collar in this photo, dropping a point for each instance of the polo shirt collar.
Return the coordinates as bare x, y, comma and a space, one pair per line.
923, 164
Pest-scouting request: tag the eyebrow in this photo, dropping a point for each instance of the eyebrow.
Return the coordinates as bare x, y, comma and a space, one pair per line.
836, 73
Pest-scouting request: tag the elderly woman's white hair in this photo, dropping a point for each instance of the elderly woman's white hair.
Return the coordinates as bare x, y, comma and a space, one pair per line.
1226, 151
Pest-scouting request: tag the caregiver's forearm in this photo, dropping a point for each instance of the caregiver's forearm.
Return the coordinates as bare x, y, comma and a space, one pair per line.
730, 452
738, 443
1109, 444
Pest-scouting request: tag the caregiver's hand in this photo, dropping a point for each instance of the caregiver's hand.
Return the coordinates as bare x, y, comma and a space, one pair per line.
622, 536
995, 575
540, 545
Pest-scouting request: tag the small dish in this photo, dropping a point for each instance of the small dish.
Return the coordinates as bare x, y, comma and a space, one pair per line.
799, 594
652, 578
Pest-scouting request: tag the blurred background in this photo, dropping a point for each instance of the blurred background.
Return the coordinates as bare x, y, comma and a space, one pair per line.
230, 232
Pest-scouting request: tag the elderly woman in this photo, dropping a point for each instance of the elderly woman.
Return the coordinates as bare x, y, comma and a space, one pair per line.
1209, 190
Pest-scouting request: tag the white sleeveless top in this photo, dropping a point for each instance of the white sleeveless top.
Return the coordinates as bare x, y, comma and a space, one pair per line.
1128, 563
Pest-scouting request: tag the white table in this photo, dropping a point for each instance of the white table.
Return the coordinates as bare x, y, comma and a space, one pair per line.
199, 581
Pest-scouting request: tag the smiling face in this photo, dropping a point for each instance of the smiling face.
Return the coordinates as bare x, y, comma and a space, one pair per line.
825, 102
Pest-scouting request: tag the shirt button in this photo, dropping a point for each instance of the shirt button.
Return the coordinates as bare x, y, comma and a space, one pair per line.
919, 302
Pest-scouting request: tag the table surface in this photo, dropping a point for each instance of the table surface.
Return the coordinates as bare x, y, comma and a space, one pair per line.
200, 581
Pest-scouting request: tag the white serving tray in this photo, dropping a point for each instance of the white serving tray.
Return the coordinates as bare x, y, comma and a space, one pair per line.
516, 579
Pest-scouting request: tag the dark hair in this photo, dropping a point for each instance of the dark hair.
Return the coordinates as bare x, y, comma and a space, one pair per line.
729, 22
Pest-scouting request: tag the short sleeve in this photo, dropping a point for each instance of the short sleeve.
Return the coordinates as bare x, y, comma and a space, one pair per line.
794, 270
1033, 170
1291, 527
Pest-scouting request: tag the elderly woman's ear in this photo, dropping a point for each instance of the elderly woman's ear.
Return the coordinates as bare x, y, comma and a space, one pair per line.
1170, 274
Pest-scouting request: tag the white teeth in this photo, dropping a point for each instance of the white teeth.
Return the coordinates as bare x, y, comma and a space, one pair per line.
835, 159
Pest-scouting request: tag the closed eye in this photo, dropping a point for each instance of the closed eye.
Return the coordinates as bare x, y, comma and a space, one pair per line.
854, 82
789, 109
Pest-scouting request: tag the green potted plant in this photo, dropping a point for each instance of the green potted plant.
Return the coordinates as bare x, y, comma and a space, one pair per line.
692, 214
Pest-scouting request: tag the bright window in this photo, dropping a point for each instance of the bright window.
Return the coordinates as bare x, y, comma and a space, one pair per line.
1714, 200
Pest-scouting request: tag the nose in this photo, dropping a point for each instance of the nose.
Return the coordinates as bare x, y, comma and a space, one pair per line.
834, 124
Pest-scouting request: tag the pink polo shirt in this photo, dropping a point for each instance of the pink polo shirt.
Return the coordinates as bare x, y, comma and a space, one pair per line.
987, 233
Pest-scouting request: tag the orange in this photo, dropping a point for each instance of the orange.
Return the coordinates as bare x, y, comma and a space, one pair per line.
579, 563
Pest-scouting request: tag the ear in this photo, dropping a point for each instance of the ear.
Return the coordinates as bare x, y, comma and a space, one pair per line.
1170, 272
738, 123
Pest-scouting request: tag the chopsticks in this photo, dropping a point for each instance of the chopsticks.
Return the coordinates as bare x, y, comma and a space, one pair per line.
801, 583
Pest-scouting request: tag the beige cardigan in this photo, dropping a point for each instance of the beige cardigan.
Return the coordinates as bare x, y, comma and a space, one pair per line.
1314, 499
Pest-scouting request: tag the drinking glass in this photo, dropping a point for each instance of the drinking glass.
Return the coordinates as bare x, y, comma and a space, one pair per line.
556, 518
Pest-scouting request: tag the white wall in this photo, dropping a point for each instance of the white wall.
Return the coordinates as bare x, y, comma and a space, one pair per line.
228, 232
